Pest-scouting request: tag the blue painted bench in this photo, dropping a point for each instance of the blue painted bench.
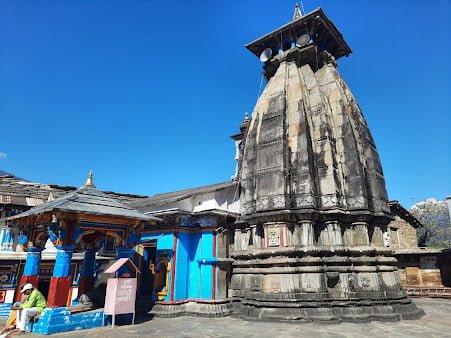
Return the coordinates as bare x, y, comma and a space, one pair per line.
4, 309
54, 320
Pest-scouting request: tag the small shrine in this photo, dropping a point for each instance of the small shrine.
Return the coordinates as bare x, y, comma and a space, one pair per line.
121, 289
77, 222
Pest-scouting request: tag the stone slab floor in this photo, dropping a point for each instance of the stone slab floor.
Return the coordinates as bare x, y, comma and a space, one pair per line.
436, 323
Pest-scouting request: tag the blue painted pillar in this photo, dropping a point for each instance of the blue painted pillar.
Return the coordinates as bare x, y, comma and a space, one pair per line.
206, 265
124, 252
7, 239
33, 261
31, 269
87, 278
89, 263
62, 262
61, 282
3, 239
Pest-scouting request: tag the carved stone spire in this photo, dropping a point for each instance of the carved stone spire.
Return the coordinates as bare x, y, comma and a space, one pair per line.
313, 201
89, 182
238, 138
245, 123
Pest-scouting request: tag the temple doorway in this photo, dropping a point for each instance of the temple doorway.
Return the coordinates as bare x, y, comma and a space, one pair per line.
146, 263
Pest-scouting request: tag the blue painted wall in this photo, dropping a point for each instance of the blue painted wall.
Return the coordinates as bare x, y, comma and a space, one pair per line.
206, 269
182, 270
193, 274
165, 243
194, 281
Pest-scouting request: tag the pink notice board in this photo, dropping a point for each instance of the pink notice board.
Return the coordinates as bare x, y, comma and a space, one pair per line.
120, 296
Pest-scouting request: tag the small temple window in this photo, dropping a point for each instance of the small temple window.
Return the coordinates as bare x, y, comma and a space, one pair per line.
109, 246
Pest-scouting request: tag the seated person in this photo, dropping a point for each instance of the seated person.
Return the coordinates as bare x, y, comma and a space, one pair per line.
11, 322
33, 306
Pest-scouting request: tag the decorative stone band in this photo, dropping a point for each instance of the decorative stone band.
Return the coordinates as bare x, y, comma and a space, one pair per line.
321, 307
315, 264
318, 216
193, 307
307, 233
320, 284
316, 251
317, 307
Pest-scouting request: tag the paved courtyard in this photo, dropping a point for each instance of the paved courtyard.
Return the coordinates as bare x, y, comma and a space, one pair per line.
436, 323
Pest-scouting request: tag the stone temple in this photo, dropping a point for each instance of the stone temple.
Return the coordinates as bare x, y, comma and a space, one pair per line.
309, 243
302, 232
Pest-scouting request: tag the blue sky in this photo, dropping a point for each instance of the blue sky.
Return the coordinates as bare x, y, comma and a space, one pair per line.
147, 93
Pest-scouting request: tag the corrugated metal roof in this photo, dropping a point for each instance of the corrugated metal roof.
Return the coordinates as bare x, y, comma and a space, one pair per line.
90, 201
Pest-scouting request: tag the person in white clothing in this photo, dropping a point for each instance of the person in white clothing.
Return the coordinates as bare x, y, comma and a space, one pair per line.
34, 305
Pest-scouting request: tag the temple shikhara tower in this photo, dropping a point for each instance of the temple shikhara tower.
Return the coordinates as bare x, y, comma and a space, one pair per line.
309, 244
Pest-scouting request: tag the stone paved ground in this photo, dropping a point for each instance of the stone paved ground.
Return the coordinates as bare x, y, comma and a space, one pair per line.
436, 323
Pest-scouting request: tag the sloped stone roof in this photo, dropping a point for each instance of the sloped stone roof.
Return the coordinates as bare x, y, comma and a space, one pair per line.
14, 190
398, 210
87, 200
180, 195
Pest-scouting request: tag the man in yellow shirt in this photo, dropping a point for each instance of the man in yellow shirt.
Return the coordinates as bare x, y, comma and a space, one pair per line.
33, 306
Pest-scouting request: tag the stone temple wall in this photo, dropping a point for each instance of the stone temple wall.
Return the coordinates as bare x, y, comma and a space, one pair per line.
402, 235
309, 243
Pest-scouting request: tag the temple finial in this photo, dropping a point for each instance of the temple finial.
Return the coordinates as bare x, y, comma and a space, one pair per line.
297, 12
51, 197
246, 116
89, 182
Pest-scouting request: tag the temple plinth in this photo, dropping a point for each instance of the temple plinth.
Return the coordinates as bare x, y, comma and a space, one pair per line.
309, 244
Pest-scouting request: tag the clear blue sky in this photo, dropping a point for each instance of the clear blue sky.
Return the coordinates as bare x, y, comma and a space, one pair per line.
147, 93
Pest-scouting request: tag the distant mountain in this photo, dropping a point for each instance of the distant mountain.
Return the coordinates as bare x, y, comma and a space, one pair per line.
4, 173
435, 217
429, 202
